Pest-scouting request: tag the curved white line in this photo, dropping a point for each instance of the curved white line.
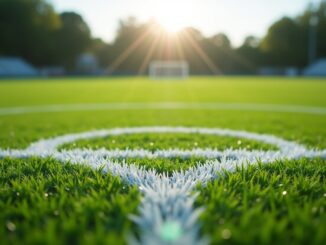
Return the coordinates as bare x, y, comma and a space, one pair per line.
163, 106
166, 199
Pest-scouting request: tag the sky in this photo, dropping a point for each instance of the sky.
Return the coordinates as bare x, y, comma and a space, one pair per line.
236, 18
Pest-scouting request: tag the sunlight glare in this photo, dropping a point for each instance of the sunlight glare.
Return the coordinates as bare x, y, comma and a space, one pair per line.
173, 15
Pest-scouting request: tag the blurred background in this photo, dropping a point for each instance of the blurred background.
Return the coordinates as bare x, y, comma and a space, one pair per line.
99, 37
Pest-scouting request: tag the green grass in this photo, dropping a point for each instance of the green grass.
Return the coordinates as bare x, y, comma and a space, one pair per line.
43, 202
274, 90
283, 203
153, 142
246, 207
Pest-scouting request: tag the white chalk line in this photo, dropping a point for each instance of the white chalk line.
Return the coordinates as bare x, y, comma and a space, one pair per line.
163, 106
167, 200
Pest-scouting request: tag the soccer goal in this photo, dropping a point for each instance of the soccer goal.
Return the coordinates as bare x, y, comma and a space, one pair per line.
168, 70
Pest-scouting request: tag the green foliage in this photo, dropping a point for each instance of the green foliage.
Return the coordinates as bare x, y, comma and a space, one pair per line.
33, 30
249, 55
27, 29
286, 43
73, 38
134, 40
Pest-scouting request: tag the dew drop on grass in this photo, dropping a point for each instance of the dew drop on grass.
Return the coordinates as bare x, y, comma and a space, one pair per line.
46, 194
284, 193
171, 231
10, 226
239, 142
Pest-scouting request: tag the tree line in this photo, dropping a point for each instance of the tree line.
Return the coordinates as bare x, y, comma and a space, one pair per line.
33, 30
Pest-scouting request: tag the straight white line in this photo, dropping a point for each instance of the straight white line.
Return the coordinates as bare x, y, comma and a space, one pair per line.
163, 106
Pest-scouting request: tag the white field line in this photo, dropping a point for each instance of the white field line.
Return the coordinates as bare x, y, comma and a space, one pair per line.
167, 200
163, 106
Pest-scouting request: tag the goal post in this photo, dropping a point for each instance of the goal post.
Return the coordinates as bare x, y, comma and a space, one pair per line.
168, 70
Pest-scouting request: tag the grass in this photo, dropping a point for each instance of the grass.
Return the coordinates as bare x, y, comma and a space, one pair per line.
85, 206
281, 203
153, 142
43, 202
274, 90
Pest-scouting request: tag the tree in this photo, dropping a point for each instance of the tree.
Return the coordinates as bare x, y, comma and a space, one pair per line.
251, 41
249, 55
285, 44
73, 38
221, 40
27, 29
304, 22
33, 30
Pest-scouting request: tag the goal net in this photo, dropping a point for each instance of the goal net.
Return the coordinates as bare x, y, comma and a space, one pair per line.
168, 70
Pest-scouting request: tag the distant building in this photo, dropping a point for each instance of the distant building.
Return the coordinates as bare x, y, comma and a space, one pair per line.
14, 66
87, 64
316, 69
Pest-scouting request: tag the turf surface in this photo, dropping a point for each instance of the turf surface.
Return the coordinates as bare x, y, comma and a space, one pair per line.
153, 142
242, 208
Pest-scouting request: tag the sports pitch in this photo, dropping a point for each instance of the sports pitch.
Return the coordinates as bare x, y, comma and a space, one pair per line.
174, 127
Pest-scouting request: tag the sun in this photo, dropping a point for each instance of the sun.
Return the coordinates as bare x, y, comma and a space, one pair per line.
172, 15
170, 26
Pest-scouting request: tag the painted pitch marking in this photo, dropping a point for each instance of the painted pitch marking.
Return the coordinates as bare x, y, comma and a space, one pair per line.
164, 106
166, 214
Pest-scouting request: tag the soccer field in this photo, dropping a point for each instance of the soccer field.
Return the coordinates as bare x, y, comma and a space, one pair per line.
259, 201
